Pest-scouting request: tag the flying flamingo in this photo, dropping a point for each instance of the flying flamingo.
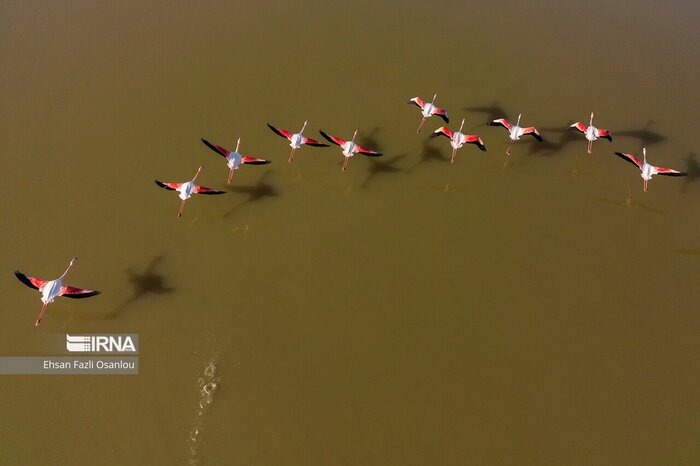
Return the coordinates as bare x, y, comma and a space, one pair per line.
187, 189
234, 159
296, 140
648, 170
51, 289
428, 109
515, 131
350, 148
457, 139
591, 132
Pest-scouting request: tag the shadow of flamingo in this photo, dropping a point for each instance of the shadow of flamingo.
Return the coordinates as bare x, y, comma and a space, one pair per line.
380, 166
254, 193
145, 283
645, 135
492, 112
430, 153
693, 171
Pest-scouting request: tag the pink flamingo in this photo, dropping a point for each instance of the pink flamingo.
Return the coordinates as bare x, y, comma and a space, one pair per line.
457, 139
187, 189
591, 132
51, 289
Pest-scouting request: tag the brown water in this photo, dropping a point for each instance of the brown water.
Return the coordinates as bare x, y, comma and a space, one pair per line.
406, 312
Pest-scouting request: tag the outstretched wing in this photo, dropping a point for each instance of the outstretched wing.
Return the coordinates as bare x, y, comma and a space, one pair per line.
31, 282
442, 114
368, 152
532, 131
417, 101
313, 142
77, 293
204, 190
605, 134
335, 140
630, 158
169, 186
473, 139
280, 132
254, 160
442, 131
216, 148
500, 122
580, 127
669, 172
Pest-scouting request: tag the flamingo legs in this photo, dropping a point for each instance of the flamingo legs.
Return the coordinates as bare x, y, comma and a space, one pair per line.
230, 176
590, 146
41, 315
420, 125
646, 182
454, 153
345, 163
291, 156
182, 207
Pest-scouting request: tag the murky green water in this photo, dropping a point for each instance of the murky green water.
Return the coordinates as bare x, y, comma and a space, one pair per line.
406, 312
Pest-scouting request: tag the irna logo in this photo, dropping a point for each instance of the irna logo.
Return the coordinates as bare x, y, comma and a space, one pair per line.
102, 343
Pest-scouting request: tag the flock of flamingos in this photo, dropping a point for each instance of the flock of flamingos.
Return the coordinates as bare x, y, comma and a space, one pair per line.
51, 289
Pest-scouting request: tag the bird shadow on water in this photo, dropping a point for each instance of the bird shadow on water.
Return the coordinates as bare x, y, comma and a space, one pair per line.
430, 153
253, 193
630, 202
382, 165
145, 283
492, 112
693, 171
645, 135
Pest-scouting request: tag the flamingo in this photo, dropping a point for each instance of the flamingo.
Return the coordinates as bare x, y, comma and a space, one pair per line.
457, 139
515, 131
296, 140
234, 159
51, 289
648, 170
350, 148
428, 110
591, 132
187, 189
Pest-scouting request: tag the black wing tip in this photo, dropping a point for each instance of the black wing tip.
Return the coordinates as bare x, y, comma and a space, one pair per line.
444, 117
24, 279
328, 138
82, 295
212, 193
537, 136
259, 162
674, 174
609, 138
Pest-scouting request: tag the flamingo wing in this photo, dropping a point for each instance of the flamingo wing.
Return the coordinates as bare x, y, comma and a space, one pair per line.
442, 114
500, 122
442, 131
216, 148
169, 186
605, 134
417, 101
473, 139
335, 140
280, 132
313, 142
532, 131
669, 172
77, 293
254, 160
580, 127
31, 282
204, 190
368, 152
630, 158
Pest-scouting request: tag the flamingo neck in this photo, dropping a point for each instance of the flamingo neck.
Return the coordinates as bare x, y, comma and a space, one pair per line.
68, 268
